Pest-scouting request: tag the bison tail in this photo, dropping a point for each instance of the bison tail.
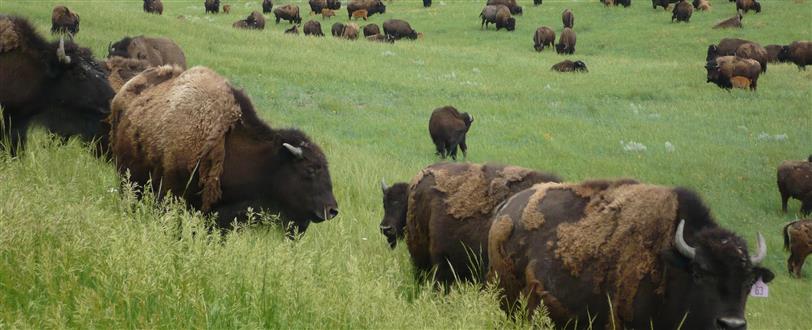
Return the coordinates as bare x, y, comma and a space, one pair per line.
786, 236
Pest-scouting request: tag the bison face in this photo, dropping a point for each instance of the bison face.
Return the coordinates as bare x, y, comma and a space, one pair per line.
395, 202
378, 8
510, 24
119, 48
757, 6
580, 66
783, 54
516, 10
713, 53
306, 188
468, 119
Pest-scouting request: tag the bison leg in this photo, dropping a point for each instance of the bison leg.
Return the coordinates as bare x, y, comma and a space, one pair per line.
806, 206
277, 19
14, 133
453, 152
440, 146
784, 197
464, 148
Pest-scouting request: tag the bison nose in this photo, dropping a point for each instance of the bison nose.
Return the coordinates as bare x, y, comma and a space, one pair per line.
731, 323
332, 213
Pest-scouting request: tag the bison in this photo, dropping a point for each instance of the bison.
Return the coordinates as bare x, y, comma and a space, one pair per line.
730, 23
371, 30
772, 53
515, 9
722, 69
795, 180
371, 6
726, 46
798, 241
154, 7
570, 66
447, 128
360, 13
194, 135
397, 29
267, 6
568, 18
122, 70
212, 6
747, 5
327, 13
226, 9
621, 254
155, 51
293, 30
64, 21
682, 12
426, 3
316, 6
566, 42
798, 52
313, 28
500, 15
754, 51
337, 29
350, 31
662, 3
241, 24
289, 12
445, 212
57, 85
544, 36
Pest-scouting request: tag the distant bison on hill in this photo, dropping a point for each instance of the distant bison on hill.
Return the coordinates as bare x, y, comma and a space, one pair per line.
154, 7
155, 51
448, 128
313, 28
798, 52
64, 21
568, 18
316, 6
267, 6
566, 42
371, 6
795, 181
682, 12
748, 5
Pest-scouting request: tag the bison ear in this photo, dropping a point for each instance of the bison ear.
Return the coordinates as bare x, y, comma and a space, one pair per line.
765, 274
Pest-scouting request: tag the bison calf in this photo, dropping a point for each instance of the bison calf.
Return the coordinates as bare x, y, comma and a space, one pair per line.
448, 128
798, 52
722, 69
226, 9
543, 37
570, 66
795, 180
325, 13
566, 42
798, 241
361, 13
740, 82
64, 21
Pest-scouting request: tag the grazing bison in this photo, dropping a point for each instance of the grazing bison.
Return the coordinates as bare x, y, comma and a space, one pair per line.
154, 7
57, 85
621, 255
313, 28
568, 18
544, 36
795, 180
380, 38
64, 21
397, 29
241, 24
371, 30
122, 70
730, 23
624, 3
723, 68
747, 5
350, 31
515, 9
198, 137
293, 30
702, 5
740, 82
371, 6
212, 6
289, 12
798, 241
326, 13
155, 51
772, 53
662, 3
448, 128
537, 2
570, 66
226, 9
267, 6
500, 15
316, 6
682, 12
445, 213
337, 29
726, 46
361, 13
754, 51
566, 42
798, 52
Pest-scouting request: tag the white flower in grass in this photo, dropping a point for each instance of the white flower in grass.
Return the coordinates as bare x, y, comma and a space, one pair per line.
669, 147
632, 146
388, 53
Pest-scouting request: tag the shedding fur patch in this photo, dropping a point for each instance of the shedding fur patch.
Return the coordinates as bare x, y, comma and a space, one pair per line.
470, 193
9, 39
532, 219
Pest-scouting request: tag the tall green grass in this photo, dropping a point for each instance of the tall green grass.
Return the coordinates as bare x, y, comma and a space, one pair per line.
77, 251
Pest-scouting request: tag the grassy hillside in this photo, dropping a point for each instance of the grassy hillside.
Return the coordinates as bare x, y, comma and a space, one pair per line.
77, 252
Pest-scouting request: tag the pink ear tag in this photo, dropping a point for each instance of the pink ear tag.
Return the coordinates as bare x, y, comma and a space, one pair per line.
760, 289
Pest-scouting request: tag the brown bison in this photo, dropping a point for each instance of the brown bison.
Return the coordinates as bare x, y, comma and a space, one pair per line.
682, 12
154, 7
544, 36
337, 29
747, 5
566, 42
313, 28
192, 134
723, 68
155, 51
212, 6
798, 52
662, 3
740, 82
316, 6
730, 23
568, 18
57, 85
570, 66
726, 46
621, 254
515, 9
772, 53
448, 128
327, 13
226, 9
754, 51
371, 30
122, 70
445, 213
293, 30
289, 12
350, 31
795, 180
798, 241
397, 29
267, 6
371, 6
64, 21
499, 15
702, 5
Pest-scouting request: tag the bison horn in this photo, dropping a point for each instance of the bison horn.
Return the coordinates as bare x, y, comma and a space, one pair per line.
296, 151
761, 250
679, 240
383, 185
60, 52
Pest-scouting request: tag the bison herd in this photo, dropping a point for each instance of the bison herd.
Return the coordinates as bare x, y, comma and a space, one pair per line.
605, 252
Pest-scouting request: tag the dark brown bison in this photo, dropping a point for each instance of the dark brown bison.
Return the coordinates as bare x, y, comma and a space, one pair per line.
754, 51
313, 28
122, 70
515, 9
316, 6
445, 213
566, 42
337, 29
723, 68
772, 53
192, 134
682, 12
621, 254
448, 128
570, 66
798, 52
371, 6
544, 36
267, 6
371, 30
662, 3
156, 51
57, 85
798, 241
154, 7
212, 6
624, 3
293, 30
380, 38
726, 46
748, 5
568, 18
350, 31
734, 22
64, 21
289, 12
426, 3
499, 15
397, 29
795, 180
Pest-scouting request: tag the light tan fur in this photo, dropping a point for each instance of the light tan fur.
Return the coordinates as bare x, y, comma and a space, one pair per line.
740, 82
361, 13
9, 39
325, 13
122, 70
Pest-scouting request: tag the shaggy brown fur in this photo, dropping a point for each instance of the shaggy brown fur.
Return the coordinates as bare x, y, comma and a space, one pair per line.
448, 129
570, 66
566, 42
798, 241
772, 53
733, 22
568, 18
350, 31
362, 13
327, 13
703, 5
122, 70
313, 28
64, 21
795, 180
543, 37
499, 15
371, 30
371, 6
754, 51
226, 9
156, 51
154, 7
723, 69
682, 11
798, 52
289, 12
748, 5
740, 82
514, 7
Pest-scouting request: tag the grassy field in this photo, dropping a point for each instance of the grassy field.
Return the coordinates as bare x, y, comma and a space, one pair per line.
76, 252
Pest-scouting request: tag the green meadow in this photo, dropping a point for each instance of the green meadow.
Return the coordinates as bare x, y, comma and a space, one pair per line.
77, 250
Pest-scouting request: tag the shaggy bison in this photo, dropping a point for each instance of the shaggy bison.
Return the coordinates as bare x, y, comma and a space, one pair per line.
289, 12
726, 46
795, 180
64, 21
192, 134
371, 6
154, 7
682, 11
155, 51
499, 15
447, 128
313, 28
514, 8
622, 254
445, 213
570, 66
316, 6
702, 5
734, 22
122, 70
754, 51
544, 36
798, 52
748, 5
212, 6
662, 3
350, 31
566, 42
371, 30
722, 69
798, 241
58, 85
397, 29
568, 18
267, 6
337, 29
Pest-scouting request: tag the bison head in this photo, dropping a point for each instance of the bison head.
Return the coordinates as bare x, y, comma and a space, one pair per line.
580, 66
378, 8
712, 278
395, 202
757, 6
468, 119
516, 10
783, 54
510, 23
713, 52
119, 48
334, 4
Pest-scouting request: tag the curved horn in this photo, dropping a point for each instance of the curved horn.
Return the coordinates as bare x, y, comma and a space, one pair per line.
60, 52
296, 151
383, 185
679, 241
761, 250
